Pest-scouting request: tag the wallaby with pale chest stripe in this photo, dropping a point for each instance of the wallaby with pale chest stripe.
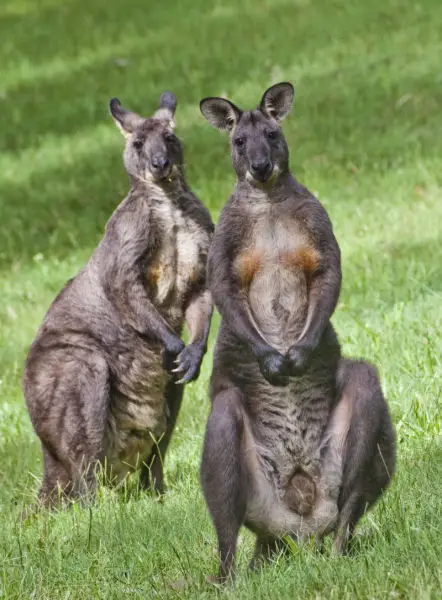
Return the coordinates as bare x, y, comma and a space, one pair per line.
299, 440
104, 377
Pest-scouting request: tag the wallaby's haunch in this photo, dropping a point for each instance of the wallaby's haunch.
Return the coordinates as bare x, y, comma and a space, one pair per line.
299, 441
104, 377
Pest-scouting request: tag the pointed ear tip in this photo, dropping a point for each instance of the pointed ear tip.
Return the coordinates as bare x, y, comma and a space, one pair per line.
168, 98
286, 84
114, 103
291, 86
203, 103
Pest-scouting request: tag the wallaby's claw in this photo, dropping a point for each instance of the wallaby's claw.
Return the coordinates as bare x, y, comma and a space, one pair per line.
189, 363
170, 354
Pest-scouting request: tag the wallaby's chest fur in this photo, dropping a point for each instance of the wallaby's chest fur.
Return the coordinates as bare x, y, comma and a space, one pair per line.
274, 268
178, 261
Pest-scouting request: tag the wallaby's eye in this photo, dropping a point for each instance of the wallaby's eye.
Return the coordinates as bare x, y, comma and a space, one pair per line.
239, 141
169, 137
272, 134
138, 144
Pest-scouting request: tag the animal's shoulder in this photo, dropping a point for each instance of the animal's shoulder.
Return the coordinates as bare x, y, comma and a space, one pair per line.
233, 224
133, 205
194, 209
132, 222
302, 206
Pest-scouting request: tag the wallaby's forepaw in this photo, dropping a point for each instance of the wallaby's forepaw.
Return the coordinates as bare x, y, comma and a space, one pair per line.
171, 352
298, 359
188, 363
272, 366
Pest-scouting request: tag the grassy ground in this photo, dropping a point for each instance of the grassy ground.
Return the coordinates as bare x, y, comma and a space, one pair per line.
365, 136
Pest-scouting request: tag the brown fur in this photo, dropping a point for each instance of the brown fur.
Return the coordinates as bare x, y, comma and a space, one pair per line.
153, 274
300, 493
247, 265
305, 258
103, 377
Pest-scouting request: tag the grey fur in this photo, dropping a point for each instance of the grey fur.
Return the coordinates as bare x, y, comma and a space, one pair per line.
103, 377
299, 441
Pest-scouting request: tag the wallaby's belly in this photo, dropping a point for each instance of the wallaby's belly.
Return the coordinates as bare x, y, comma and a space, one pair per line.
278, 298
137, 414
279, 465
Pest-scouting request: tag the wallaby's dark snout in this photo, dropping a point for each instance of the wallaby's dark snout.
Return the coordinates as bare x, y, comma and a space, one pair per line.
261, 167
160, 164
160, 161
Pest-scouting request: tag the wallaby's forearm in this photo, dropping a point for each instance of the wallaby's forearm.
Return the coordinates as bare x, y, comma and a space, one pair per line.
231, 302
136, 308
235, 312
323, 297
198, 317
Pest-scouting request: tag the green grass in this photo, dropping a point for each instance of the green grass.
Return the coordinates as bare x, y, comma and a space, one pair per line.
365, 136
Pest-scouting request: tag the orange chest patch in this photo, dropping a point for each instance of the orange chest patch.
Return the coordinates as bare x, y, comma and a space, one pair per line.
305, 258
154, 273
247, 265
250, 262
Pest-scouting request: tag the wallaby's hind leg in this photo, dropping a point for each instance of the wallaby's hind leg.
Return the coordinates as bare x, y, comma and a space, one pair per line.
68, 397
223, 474
152, 470
369, 451
56, 481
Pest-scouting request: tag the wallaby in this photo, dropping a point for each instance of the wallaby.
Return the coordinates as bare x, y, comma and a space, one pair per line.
299, 441
104, 378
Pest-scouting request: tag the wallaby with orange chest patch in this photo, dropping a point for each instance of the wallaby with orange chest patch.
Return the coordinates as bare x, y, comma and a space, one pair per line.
299, 440
104, 377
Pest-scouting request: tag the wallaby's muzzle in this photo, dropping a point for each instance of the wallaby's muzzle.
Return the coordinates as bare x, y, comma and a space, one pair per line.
160, 166
261, 169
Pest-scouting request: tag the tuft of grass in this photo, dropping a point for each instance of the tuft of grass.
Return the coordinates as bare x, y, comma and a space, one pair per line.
365, 136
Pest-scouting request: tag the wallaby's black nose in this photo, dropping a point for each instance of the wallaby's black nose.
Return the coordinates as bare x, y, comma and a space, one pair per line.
261, 166
160, 162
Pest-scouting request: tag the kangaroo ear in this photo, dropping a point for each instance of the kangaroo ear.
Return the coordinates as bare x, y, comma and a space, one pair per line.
167, 108
126, 120
277, 101
220, 113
